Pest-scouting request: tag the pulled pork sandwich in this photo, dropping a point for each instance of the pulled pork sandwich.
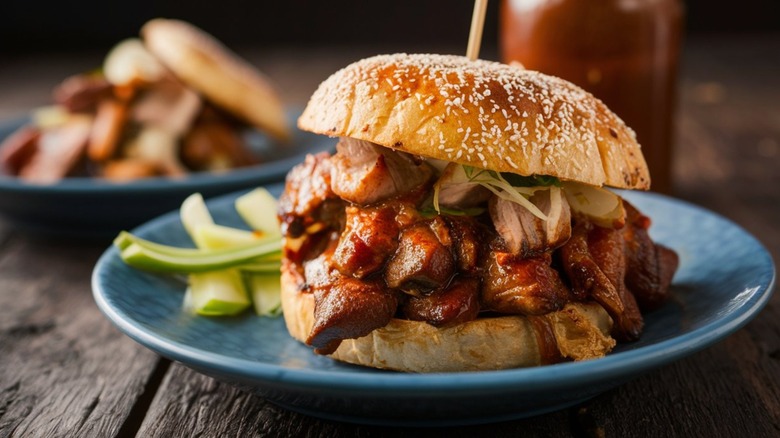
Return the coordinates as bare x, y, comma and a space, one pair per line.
174, 102
462, 224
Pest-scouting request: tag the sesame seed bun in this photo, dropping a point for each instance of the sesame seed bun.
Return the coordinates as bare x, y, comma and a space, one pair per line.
203, 63
479, 113
580, 331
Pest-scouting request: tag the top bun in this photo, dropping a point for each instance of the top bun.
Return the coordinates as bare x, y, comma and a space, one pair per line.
479, 113
203, 63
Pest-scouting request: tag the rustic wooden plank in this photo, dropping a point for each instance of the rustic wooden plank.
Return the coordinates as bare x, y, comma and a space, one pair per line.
65, 370
191, 404
726, 390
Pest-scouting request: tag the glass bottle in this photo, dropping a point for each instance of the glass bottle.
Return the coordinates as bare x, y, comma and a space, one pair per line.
625, 52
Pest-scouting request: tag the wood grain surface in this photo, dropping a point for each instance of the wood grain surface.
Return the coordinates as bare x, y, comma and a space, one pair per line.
65, 371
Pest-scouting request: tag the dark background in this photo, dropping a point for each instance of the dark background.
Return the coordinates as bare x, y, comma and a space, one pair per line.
57, 26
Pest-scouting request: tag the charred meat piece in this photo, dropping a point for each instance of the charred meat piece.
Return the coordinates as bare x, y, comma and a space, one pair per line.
457, 304
365, 173
307, 188
650, 267
441, 229
467, 235
370, 237
319, 271
169, 106
316, 238
158, 146
349, 308
526, 234
421, 263
82, 93
129, 169
18, 148
528, 286
311, 215
606, 246
595, 266
59, 152
215, 146
109, 123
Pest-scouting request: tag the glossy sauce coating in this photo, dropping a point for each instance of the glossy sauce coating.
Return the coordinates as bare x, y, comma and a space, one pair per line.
366, 264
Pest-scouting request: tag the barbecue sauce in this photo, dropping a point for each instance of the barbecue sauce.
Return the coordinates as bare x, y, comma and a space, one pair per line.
625, 52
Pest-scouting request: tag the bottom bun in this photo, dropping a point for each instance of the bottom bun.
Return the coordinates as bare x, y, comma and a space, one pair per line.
581, 331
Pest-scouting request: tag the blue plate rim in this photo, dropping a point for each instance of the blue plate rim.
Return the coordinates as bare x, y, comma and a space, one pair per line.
82, 185
613, 366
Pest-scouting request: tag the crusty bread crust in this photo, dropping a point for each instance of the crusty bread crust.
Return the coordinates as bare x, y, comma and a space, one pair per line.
581, 331
204, 64
479, 113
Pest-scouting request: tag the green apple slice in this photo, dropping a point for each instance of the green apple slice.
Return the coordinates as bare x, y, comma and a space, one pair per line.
258, 209
266, 292
194, 213
217, 293
228, 265
214, 236
142, 257
213, 293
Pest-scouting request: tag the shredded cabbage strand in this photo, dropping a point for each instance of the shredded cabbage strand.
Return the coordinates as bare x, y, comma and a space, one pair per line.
495, 182
604, 207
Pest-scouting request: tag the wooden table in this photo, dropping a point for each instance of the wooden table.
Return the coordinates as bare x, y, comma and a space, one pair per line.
66, 371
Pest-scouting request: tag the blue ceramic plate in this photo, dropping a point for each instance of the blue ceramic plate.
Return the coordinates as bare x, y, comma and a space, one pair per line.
91, 207
725, 278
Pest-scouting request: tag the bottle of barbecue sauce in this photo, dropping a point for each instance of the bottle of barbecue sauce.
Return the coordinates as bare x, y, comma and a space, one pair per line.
625, 52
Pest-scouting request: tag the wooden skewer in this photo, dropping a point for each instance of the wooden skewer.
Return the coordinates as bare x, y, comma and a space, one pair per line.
477, 24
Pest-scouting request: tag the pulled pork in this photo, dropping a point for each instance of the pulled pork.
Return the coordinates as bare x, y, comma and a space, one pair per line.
526, 234
360, 240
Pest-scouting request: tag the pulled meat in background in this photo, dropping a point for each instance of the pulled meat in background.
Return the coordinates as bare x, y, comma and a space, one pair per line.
18, 148
124, 132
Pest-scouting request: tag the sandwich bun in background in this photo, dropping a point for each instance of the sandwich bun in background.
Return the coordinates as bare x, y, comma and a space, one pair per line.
210, 68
